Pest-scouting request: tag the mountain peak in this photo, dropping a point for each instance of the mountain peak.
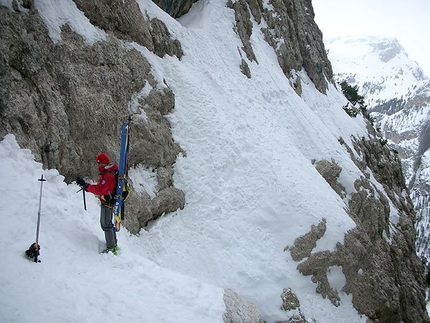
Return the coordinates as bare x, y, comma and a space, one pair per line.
380, 66
387, 48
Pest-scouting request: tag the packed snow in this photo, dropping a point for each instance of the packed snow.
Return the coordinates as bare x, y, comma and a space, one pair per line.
250, 183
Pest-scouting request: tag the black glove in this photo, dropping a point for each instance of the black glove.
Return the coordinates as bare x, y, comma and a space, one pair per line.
81, 183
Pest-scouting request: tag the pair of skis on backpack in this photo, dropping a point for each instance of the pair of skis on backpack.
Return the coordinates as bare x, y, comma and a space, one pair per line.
123, 187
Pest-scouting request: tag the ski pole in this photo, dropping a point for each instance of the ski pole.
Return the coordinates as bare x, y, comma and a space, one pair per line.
85, 201
41, 179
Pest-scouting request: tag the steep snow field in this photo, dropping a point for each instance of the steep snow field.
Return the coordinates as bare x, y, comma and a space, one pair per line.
250, 186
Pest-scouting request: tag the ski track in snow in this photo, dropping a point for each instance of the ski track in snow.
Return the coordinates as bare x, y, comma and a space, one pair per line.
250, 186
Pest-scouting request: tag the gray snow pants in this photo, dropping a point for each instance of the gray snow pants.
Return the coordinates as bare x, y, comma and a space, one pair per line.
106, 215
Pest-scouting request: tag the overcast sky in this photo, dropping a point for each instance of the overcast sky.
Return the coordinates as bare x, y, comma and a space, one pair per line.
406, 20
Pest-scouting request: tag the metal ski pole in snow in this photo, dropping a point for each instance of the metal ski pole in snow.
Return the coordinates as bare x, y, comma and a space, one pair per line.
41, 179
33, 251
85, 201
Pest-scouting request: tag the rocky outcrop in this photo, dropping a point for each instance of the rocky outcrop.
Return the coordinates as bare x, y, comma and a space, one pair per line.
125, 21
398, 100
175, 8
66, 102
331, 171
239, 310
292, 32
382, 271
291, 304
304, 245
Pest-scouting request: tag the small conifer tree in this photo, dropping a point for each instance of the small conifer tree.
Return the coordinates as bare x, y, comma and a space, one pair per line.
351, 93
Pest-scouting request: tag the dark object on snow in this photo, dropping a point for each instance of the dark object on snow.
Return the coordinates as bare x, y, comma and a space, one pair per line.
33, 251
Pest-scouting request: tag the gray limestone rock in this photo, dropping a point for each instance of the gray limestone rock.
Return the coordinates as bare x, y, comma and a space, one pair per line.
125, 21
383, 273
331, 171
239, 310
304, 245
292, 32
290, 300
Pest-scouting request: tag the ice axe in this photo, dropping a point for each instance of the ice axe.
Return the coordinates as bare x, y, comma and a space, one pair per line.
33, 251
83, 196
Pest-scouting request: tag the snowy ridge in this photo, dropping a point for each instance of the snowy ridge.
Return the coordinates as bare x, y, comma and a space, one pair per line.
250, 185
379, 66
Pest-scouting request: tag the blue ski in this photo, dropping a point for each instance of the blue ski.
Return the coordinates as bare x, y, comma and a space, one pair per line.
122, 188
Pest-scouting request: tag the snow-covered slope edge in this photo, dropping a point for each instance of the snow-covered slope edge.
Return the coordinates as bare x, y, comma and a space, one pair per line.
254, 154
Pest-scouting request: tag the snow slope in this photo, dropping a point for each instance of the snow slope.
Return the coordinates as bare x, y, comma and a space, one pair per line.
250, 186
73, 282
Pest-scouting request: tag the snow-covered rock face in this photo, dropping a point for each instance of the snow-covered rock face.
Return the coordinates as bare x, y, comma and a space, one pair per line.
288, 27
371, 245
398, 97
125, 20
387, 50
294, 208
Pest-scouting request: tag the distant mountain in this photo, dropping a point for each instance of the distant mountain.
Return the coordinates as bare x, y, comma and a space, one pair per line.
397, 94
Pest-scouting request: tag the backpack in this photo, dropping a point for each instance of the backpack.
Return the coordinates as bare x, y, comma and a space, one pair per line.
126, 188
33, 251
110, 200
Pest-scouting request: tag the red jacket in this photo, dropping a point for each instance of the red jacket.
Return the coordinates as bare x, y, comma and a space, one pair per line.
106, 185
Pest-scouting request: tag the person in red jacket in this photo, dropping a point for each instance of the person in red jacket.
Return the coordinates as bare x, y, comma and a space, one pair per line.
105, 190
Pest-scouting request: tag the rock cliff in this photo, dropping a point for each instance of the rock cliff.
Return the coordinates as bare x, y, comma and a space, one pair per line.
66, 101
292, 32
378, 257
